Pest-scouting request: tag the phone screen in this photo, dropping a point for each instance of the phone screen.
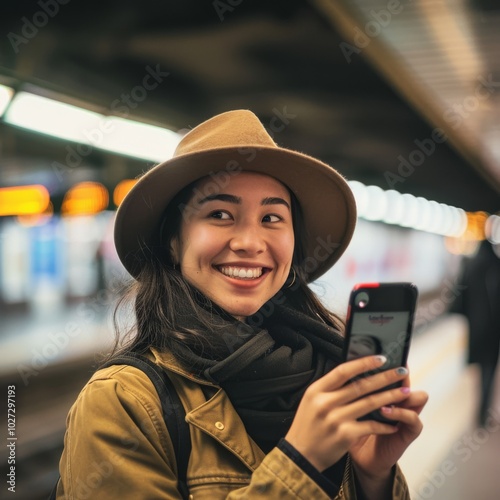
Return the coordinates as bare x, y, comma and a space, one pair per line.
379, 333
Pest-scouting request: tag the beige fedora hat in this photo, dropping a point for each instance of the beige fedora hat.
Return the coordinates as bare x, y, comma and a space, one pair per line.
223, 146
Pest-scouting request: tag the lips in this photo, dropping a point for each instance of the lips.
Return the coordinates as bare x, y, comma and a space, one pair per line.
241, 273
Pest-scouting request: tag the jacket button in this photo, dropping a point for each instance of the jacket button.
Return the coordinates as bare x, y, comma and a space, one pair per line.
219, 425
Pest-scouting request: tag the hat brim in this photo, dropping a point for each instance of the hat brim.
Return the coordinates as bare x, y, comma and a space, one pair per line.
327, 202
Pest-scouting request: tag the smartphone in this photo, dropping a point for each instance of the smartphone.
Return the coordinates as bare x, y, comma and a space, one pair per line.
380, 321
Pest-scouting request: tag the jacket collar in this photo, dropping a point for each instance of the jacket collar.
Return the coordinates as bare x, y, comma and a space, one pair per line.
167, 360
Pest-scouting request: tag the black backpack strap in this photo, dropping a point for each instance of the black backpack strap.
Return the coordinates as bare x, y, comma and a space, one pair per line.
173, 411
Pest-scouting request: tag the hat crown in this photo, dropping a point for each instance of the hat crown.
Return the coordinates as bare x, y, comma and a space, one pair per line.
240, 128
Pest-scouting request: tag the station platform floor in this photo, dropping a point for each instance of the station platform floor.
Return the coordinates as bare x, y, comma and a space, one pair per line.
453, 459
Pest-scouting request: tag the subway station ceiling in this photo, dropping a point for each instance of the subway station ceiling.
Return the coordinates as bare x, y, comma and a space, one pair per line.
402, 94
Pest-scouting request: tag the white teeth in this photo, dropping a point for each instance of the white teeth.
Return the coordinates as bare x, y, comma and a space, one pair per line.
241, 272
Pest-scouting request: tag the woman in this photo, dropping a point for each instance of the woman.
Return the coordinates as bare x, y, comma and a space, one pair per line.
222, 240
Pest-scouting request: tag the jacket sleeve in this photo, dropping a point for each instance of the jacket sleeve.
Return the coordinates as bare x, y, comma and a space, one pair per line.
400, 489
279, 477
115, 445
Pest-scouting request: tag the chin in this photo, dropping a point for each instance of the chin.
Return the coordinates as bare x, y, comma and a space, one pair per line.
242, 312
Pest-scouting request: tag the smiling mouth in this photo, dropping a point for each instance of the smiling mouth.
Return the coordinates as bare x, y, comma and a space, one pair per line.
241, 273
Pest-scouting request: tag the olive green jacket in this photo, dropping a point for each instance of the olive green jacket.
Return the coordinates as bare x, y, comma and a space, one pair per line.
117, 446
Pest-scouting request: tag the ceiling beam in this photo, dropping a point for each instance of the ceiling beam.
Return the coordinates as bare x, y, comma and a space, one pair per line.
344, 17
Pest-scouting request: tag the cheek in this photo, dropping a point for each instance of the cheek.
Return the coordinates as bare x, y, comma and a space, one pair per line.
198, 243
286, 247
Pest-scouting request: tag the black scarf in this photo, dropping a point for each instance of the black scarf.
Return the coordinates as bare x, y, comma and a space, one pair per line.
268, 367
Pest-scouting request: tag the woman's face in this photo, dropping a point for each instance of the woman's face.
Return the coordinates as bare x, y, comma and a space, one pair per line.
236, 242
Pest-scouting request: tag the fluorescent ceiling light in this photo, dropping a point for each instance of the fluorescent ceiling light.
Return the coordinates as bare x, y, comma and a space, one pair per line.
50, 117
6, 94
139, 139
65, 121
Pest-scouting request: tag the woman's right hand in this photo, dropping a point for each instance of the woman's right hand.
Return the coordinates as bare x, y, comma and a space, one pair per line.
326, 426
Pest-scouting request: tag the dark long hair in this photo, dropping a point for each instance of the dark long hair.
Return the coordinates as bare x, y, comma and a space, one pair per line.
163, 301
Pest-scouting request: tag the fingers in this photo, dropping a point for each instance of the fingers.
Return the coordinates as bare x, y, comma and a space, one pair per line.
367, 427
407, 412
404, 416
340, 375
415, 401
366, 385
373, 402
337, 389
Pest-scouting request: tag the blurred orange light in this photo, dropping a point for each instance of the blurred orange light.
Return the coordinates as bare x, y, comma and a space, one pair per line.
467, 243
24, 200
37, 219
85, 198
476, 224
122, 189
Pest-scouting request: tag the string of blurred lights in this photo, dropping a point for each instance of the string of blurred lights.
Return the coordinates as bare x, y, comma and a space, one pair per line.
406, 210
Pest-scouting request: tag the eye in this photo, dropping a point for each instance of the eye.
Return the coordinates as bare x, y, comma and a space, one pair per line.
219, 214
271, 218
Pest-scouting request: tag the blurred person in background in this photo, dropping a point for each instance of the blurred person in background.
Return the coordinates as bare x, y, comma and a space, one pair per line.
478, 299
222, 241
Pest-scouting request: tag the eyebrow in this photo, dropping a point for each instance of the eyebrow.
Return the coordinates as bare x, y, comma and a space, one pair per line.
275, 201
221, 197
229, 198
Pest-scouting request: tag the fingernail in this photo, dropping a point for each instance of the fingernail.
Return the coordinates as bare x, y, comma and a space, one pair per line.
381, 359
405, 390
401, 370
386, 409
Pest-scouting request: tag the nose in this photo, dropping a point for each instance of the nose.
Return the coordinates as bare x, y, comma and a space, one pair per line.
247, 238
